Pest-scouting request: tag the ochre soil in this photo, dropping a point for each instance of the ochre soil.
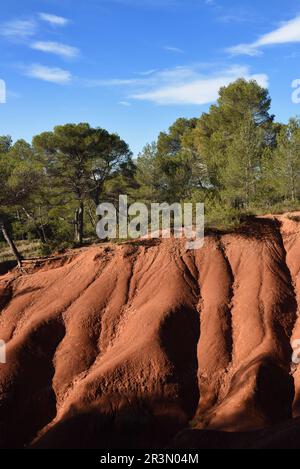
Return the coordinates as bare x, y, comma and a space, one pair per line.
148, 345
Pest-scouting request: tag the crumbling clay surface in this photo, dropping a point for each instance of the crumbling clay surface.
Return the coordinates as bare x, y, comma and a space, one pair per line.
131, 345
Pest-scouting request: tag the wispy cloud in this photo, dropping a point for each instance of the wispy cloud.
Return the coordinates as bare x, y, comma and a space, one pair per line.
12, 94
233, 18
115, 82
288, 32
125, 103
22, 29
161, 3
50, 74
57, 48
241, 13
148, 72
54, 20
18, 29
151, 78
202, 90
183, 85
176, 50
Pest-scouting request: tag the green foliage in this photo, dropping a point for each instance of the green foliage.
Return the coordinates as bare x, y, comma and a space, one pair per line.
5, 143
56, 247
243, 158
240, 104
287, 161
170, 143
148, 175
64, 172
79, 161
234, 158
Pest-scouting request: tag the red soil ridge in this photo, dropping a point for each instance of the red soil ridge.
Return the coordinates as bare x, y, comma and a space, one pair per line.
127, 345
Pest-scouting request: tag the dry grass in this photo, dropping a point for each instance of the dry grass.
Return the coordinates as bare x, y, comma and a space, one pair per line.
28, 249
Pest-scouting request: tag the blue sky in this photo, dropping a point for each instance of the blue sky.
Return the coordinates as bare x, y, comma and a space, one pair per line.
134, 66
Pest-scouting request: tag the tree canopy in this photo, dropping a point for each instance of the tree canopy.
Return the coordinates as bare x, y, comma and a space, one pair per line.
235, 158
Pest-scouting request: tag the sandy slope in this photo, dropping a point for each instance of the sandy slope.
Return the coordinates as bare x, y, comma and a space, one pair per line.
125, 345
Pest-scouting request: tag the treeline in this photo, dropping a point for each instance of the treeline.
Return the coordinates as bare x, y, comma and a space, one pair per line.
50, 189
235, 158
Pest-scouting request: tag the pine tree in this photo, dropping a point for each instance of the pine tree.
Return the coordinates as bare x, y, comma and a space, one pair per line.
287, 161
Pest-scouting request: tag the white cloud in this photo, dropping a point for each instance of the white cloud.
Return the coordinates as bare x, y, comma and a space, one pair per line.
18, 29
50, 74
174, 49
245, 49
125, 103
288, 32
150, 78
2, 92
178, 73
54, 20
116, 82
201, 90
56, 48
12, 94
148, 72
183, 85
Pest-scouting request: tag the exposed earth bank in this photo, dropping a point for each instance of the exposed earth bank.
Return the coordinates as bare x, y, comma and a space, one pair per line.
146, 344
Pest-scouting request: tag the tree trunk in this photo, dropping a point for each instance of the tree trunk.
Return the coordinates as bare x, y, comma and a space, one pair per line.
41, 234
96, 198
293, 189
78, 223
42, 229
92, 218
39, 229
11, 244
